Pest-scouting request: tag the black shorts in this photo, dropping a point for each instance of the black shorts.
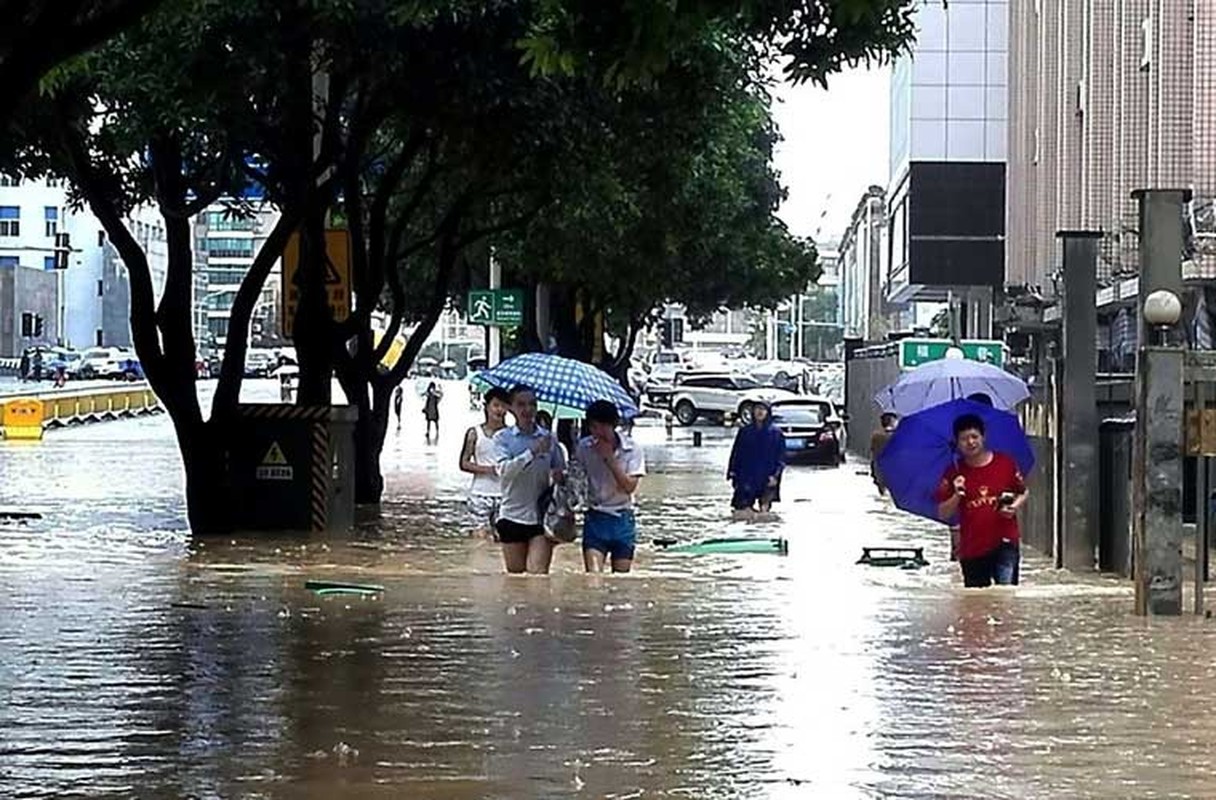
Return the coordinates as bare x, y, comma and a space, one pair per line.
510, 532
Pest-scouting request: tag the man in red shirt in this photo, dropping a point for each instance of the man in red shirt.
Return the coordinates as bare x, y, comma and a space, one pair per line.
985, 489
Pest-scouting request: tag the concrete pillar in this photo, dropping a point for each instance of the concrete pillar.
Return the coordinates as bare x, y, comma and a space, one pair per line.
1160, 244
1078, 404
1157, 468
1157, 476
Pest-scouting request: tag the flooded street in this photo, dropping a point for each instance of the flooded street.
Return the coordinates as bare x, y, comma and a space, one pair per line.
137, 663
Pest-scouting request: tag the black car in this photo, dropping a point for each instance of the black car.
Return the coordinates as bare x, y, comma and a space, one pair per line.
810, 434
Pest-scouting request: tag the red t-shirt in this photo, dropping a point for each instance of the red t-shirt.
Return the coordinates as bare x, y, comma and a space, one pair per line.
981, 525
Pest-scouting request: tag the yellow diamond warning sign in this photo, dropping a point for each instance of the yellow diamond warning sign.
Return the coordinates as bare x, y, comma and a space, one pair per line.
274, 466
274, 456
337, 278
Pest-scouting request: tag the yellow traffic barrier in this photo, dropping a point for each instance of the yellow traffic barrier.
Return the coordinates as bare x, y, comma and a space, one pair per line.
61, 407
23, 419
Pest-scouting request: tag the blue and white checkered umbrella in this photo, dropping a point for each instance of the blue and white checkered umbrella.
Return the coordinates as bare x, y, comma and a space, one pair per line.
563, 386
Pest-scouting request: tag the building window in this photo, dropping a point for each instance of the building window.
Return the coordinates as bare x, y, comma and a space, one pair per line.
8, 180
48, 263
230, 248
220, 221
9, 261
55, 183
99, 338
51, 215
10, 220
101, 289
101, 238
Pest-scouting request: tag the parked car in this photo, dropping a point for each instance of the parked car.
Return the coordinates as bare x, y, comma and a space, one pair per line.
100, 362
661, 383
717, 394
812, 431
782, 374
259, 362
58, 358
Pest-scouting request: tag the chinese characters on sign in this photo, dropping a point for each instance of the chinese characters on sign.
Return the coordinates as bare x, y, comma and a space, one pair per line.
501, 307
914, 352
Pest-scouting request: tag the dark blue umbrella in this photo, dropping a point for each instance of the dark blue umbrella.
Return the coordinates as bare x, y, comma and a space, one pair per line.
922, 449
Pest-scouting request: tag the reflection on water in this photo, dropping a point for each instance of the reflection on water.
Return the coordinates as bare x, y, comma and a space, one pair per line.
138, 663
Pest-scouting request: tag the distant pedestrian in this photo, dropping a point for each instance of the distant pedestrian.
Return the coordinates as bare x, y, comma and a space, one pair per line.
479, 458
37, 365
878, 440
614, 466
430, 409
756, 463
398, 399
528, 463
985, 490
285, 387
25, 365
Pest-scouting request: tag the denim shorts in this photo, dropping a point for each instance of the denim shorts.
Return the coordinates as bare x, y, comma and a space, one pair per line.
999, 566
612, 534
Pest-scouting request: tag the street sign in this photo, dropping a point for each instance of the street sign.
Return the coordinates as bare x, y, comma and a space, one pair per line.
914, 352
500, 307
337, 278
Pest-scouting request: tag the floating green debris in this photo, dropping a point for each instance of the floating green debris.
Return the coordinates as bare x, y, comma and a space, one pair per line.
730, 545
326, 588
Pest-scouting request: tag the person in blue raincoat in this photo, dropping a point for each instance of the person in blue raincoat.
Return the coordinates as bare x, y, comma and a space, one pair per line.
756, 462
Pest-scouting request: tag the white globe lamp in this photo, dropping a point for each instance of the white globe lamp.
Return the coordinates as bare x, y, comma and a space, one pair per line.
1162, 310
955, 354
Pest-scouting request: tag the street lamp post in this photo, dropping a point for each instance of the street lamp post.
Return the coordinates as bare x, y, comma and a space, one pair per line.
1158, 451
1157, 472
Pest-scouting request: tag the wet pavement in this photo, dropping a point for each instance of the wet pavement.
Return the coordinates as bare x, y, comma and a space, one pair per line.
137, 663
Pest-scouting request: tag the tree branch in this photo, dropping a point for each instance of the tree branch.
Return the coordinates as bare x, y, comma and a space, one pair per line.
397, 292
228, 391
448, 255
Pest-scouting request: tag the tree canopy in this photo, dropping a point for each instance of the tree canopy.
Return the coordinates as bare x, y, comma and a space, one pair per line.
675, 203
37, 35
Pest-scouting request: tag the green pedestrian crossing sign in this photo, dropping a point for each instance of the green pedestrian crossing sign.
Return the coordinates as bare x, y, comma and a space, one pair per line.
498, 307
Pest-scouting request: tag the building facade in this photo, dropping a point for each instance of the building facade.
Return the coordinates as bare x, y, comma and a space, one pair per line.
1108, 96
31, 214
946, 188
225, 247
86, 302
861, 260
97, 287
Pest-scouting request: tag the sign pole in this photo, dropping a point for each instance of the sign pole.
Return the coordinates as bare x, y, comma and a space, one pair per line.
494, 333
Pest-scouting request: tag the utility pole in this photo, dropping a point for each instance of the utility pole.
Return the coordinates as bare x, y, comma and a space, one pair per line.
1158, 453
1078, 405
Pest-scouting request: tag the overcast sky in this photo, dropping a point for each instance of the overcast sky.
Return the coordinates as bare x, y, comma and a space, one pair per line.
835, 147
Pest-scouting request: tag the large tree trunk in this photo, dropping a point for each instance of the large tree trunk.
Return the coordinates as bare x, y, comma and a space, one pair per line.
372, 401
209, 497
370, 433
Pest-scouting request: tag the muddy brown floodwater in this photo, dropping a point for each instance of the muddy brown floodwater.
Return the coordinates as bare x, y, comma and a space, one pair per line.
135, 662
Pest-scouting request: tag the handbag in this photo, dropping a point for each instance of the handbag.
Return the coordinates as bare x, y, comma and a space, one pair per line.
559, 505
